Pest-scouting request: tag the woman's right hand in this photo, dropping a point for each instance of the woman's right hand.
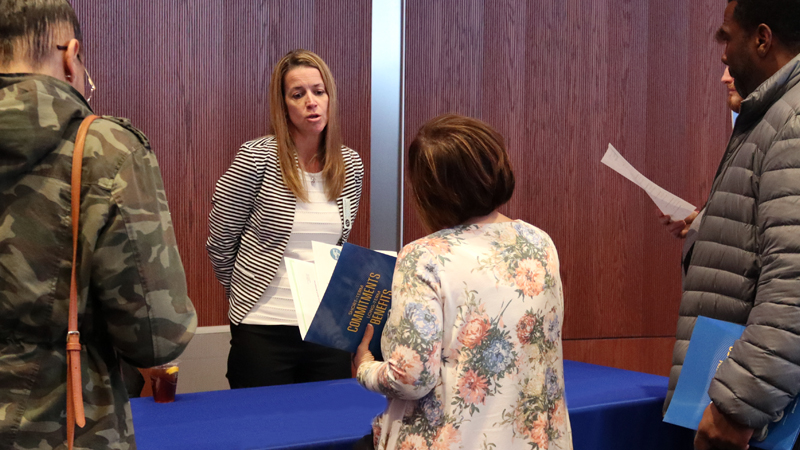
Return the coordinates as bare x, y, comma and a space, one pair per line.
363, 354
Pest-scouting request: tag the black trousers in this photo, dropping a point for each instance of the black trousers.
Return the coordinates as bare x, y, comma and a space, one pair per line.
133, 379
269, 355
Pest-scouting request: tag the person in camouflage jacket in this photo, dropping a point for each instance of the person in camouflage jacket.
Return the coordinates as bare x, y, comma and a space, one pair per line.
133, 302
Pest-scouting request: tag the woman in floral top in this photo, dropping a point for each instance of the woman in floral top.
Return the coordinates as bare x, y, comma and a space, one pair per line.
473, 340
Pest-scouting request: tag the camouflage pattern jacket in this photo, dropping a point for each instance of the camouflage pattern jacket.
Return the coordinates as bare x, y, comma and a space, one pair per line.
133, 302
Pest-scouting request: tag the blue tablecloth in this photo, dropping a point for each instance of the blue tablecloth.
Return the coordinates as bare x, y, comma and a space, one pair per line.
619, 409
609, 409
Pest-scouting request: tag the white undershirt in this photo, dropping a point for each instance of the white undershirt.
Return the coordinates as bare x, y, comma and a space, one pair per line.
317, 220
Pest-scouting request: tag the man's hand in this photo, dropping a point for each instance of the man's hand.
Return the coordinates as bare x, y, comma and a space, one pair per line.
677, 228
362, 352
718, 431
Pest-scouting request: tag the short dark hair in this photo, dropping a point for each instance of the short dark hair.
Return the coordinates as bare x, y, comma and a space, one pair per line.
781, 16
31, 24
459, 169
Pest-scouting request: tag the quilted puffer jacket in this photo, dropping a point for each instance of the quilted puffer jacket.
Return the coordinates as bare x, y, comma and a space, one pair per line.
745, 265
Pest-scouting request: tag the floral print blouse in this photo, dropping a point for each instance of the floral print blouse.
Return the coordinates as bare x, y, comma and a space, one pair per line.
473, 344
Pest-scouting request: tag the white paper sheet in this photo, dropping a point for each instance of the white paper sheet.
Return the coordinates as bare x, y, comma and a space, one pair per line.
303, 283
325, 257
669, 204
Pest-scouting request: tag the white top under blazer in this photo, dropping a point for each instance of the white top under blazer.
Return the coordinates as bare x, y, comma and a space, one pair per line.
252, 217
314, 220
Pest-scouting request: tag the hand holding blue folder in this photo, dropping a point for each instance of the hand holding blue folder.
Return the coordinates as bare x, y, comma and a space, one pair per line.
358, 293
710, 344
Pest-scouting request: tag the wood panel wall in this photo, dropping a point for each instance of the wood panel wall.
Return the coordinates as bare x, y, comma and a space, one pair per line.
194, 76
560, 80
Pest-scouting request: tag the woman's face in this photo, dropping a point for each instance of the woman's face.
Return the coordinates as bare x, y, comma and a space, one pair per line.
306, 101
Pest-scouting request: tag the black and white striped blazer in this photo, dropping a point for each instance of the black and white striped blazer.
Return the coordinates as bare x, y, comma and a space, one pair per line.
252, 217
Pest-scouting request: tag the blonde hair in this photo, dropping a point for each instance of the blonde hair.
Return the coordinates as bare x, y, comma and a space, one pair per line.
329, 153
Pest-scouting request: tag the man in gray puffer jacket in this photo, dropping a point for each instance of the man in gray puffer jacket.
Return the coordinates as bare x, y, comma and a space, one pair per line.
745, 264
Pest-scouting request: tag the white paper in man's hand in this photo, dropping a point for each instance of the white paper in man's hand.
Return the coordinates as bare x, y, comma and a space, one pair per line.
669, 204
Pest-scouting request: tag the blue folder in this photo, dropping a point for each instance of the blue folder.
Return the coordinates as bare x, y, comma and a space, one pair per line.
358, 294
708, 347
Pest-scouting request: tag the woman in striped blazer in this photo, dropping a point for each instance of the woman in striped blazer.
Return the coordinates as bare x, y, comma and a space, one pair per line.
281, 192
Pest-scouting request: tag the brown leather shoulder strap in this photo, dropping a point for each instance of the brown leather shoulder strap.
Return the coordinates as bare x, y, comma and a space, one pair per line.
75, 413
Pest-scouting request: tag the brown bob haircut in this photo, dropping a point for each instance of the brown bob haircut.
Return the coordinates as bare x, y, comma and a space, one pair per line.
459, 169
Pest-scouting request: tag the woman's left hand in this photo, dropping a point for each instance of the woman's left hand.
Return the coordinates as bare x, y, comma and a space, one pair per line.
362, 352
